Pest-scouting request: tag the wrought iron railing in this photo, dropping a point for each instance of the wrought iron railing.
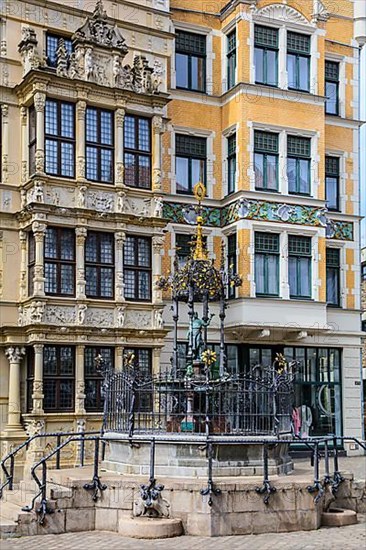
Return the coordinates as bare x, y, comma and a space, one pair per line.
253, 405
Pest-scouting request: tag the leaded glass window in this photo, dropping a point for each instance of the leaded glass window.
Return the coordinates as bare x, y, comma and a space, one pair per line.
99, 265
299, 262
231, 164
333, 276
143, 358
59, 261
332, 182
332, 87
52, 43
137, 151
231, 59
60, 138
190, 61
31, 262
58, 378
298, 165
298, 61
266, 55
266, 160
93, 379
99, 145
267, 264
137, 268
190, 162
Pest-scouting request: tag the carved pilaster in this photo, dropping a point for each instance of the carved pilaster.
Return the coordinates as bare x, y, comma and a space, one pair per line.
80, 383
120, 238
39, 230
157, 125
157, 245
39, 105
81, 233
1, 262
23, 265
119, 167
5, 143
80, 132
37, 395
24, 143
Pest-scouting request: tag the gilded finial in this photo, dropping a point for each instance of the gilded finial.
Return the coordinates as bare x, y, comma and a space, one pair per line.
200, 252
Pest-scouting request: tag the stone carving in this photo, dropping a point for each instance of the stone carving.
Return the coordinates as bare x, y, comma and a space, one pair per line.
156, 179
36, 312
158, 243
82, 196
14, 354
281, 12
243, 208
284, 212
28, 49
36, 194
138, 319
35, 427
320, 12
99, 51
82, 308
99, 317
60, 315
81, 422
158, 207
121, 316
151, 503
102, 202
39, 161
21, 316
158, 318
120, 203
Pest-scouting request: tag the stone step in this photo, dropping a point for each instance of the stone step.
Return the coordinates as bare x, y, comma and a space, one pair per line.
19, 497
8, 528
10, 511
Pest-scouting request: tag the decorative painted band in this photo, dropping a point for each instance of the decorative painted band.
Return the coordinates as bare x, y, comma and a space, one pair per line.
260, 210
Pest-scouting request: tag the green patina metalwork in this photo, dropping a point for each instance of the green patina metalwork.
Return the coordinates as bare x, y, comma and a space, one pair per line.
260, 210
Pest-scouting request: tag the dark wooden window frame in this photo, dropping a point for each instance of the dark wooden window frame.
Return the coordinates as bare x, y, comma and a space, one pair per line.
59, 262
61, 139
137, 269
99, 146
59, 378
99, 266
97, 378
139, 152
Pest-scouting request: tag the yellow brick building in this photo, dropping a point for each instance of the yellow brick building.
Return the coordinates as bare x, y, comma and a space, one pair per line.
265, 108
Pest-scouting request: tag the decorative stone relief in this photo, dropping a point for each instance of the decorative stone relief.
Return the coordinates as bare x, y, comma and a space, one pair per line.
14, 354
36, 193
99, 317
82, 310
281, 12
120, 316
35, 427
157, 207
60, 315
98, 56
158, 318
28, 49
100, 201
138, 319
262, 211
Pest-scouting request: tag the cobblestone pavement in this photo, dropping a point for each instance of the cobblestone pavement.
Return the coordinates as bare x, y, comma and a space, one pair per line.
341, 538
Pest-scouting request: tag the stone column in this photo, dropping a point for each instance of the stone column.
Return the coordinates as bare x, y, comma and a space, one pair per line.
157, 126
39, 230
282, 58
119, 169
80, 381
5, 143
157, 246
37, 395
15, 356
81, 233
24, 143
23, 265
39, 105
156, 353
118, 358
120, 238
80, 132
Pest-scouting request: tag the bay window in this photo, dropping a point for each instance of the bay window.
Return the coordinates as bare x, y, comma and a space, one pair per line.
59, 261
137, 268
191, 158
99, 145
231, 163
298, 165
190, 61
332, 182
299, 262
231, 59
267, 253
298, 61
99, 265
266, 161
60, 138
332, 87
266, 55
137, 151
333, 276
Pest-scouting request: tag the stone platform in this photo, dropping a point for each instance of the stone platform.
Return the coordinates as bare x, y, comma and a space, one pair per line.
184, 459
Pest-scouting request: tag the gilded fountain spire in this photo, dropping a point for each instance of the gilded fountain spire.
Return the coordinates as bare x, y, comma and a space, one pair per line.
200, 251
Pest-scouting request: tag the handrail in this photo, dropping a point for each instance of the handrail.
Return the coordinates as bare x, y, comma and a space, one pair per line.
9, 475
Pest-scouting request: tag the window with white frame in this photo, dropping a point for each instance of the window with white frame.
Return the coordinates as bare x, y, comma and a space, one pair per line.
332, 87
231, 163
231, 59
267, 257
266, 55
298, 165
333, 267
332, 182
299, 264
191, 162
190, 61
266, 160
298, 61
